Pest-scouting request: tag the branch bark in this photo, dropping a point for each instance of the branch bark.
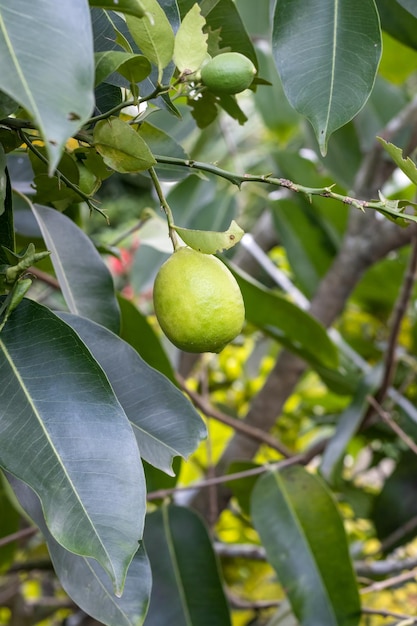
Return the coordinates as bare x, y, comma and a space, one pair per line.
368, 238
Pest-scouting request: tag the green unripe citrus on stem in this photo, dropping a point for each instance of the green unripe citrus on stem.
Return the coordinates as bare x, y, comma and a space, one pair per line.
228, 73
198, 302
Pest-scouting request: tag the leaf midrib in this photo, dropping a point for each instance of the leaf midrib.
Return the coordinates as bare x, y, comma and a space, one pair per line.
39, 419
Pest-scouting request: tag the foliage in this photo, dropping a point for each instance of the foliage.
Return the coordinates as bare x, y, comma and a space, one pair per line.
169, 489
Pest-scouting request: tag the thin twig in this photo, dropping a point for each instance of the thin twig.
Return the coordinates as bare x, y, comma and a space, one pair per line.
400, 310
392, 424
250, 431
301, 459
386, 613
165, 207
390, 582
398, 534
20, 534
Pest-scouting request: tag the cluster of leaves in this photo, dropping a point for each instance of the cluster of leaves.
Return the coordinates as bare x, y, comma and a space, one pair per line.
91, 416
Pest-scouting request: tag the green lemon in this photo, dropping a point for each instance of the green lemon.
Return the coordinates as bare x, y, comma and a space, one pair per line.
198, 302
228, 73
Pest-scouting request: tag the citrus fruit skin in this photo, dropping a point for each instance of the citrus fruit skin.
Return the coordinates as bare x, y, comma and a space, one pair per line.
198, 302
228, 73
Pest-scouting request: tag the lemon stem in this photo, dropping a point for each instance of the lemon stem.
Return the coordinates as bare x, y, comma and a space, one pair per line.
165, 207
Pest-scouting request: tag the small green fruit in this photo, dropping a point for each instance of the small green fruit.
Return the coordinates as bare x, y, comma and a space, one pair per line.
228, 73
198, 302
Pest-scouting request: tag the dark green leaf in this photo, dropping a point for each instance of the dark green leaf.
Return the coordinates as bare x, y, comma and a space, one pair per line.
307, 546
187, 588
163, 420
287, 323
28, 75
9, 524
348, 423
85, 581
7, 236
399, 22
134, 67
64, 433
121, 147
410, 6
396, 504
159, 142
223, 15
129, 7
136, 331
85, 281
321, 50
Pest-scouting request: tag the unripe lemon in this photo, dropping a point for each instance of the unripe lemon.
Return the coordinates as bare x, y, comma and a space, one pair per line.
198, 302
230, 73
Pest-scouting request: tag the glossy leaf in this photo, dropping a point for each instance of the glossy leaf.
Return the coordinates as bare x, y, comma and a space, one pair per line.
134, 67
51, 30
210, 242
79, 453
348, 423
396, 504
85, 581
397, 20
121, 147
190, 48
153, 34
307, 546
129, 7
286, 322
187, 588
159, 142
137, 331
327, 54
85, 281
223, 15
163, 420
409, 5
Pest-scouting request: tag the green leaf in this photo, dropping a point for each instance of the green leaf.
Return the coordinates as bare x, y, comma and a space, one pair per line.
348, 423
307, 546
396, 504
190, 47
405, 164
9, 524
223, 16
86, 283
160, 142
85, 581
210, 242
400, 23
137, 331
321, 50
121, 147
153, 34
292, 327
3, 180
29, 76
409, 5
129, 7
63, 432
7, 236
163, 420
187, 588
134, 67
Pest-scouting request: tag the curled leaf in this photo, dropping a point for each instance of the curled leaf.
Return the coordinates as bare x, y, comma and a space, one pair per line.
209, 241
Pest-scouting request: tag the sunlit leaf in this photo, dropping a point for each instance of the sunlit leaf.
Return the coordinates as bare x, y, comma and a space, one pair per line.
121, 147
210, 242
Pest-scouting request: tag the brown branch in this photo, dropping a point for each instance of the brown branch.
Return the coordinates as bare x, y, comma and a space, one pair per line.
20, 534
249, 431
400, 310
386, 417
386, 613
390, 582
